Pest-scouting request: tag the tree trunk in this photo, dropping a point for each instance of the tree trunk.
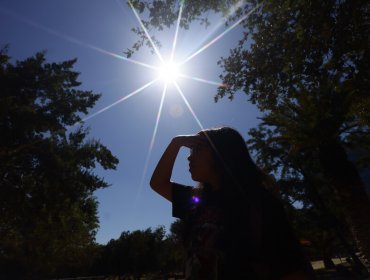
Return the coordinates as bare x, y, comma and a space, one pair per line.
350, 191
331, 220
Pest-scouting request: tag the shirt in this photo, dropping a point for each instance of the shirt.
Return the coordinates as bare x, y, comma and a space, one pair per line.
249, 241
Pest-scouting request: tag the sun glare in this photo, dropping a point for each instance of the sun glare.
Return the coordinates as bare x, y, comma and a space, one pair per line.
168, 72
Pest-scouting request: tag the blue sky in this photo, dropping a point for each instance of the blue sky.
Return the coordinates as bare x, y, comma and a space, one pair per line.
91, 29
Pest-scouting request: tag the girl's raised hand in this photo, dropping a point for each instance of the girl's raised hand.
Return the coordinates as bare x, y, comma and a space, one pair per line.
190, 141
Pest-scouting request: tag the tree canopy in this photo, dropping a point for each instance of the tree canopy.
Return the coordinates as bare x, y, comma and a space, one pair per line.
48, 209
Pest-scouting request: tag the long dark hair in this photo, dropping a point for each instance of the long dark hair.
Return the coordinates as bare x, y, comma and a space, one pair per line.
240, 176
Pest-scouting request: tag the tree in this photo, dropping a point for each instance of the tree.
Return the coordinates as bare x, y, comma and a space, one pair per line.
301, 180
48, 210
135, 253
304, 64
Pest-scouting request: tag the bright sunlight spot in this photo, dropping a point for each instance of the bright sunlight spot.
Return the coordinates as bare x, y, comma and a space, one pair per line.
169, 72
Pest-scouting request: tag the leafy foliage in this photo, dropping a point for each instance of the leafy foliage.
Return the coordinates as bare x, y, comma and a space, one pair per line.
138, 252
48, 211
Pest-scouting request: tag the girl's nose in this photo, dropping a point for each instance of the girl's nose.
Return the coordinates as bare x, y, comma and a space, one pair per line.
190, 156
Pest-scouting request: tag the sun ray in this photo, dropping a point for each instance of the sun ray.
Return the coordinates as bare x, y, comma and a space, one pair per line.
123, 58
217, 25
177, 30
188, 105
151, 145
206, 46
72, 39
158, 118
118, 101
202, 80
146, 31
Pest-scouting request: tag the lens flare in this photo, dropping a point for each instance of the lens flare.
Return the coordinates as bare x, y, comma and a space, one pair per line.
203, 80
177, 30
117, 102
195, 199
72, 39
206, 46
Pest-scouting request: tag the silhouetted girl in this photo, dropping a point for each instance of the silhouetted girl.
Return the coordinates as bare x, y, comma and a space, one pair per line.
234, 228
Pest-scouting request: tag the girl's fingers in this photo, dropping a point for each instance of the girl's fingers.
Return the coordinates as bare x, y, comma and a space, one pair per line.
190, 140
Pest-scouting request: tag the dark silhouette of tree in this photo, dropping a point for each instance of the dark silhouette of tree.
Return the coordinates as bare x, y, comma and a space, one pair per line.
304, 64
48, 217
137, 253
302, 181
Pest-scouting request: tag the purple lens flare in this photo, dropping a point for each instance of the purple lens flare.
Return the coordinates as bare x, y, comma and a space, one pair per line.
195, 199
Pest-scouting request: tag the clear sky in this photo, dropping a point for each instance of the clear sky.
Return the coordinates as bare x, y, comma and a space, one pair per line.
93, 31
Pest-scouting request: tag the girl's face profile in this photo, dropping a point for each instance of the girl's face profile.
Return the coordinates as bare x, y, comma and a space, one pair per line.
201, 162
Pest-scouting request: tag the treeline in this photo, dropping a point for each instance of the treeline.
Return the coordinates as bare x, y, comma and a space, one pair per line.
140, 252
153, 253
133, 254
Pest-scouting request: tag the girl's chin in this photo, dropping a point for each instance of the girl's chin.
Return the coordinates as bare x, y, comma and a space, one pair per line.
194, 177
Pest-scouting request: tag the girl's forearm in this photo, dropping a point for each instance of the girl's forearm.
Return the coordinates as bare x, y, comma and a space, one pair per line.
161, 178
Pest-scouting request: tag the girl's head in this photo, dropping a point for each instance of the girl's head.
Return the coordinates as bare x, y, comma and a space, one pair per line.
225, 158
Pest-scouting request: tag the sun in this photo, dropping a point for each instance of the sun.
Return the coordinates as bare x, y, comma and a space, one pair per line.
168, 72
